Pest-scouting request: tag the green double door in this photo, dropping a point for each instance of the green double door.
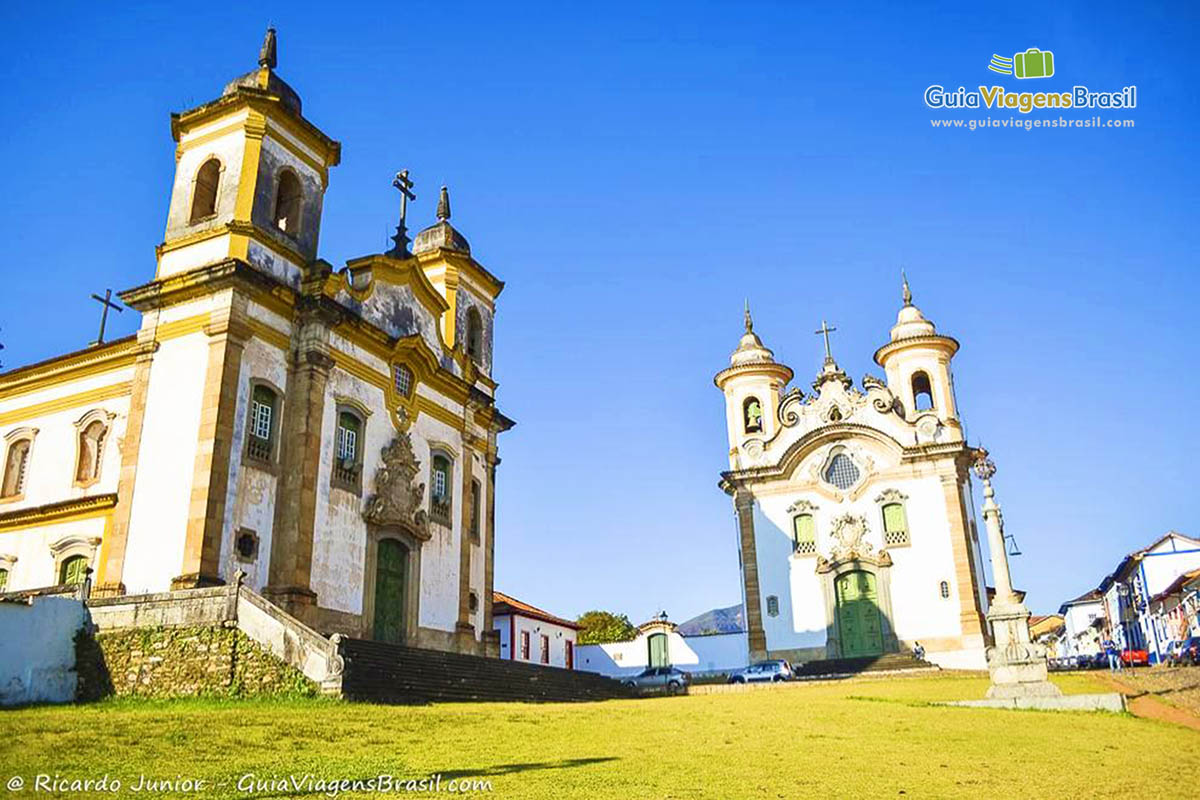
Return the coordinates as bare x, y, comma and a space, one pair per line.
391, 579
659, 656
859, 621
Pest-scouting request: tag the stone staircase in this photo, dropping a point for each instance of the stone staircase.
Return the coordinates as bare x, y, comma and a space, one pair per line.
379, 672
888, 662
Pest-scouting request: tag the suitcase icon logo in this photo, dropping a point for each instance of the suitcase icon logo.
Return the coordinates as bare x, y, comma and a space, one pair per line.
1033, 63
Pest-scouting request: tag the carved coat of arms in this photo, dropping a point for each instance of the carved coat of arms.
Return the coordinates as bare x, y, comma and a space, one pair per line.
850, 538
397, 500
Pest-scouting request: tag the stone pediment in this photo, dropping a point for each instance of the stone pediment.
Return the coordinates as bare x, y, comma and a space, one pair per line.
397, 500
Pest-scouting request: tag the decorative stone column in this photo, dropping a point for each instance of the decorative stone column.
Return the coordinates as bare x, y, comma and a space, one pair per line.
743, 503
299, 478
1017, 665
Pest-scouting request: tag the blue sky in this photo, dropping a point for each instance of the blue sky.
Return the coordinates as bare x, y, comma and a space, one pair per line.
633, 173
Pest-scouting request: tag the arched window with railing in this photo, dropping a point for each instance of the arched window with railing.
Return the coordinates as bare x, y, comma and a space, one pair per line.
348, 450
441, 494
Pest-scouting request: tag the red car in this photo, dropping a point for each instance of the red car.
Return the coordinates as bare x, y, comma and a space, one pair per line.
1135, 658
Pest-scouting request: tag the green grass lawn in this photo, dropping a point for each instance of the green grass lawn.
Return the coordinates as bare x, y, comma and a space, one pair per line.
861, 738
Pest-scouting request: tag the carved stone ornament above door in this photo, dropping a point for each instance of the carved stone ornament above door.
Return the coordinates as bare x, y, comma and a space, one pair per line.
397, 500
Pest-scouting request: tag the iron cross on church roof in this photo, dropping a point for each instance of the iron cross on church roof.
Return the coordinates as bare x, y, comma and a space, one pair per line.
107, 303
404, 184
825, 331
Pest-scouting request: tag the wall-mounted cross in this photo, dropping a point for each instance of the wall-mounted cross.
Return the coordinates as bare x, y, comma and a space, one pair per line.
107, 303
403, 183
825, 331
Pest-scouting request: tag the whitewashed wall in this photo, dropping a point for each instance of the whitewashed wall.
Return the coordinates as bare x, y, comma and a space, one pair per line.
162, 493
918, 569
250, 494
696, 654
37, 661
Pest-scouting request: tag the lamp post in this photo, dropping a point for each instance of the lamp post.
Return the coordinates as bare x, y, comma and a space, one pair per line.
1016, 664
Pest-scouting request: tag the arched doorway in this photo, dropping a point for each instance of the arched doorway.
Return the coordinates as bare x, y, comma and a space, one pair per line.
859, 621
391, 590
657, 642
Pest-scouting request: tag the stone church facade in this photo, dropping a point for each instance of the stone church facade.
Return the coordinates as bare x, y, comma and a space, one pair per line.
857, 533
330, 433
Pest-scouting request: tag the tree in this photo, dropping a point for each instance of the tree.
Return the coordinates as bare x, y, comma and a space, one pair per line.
598, 627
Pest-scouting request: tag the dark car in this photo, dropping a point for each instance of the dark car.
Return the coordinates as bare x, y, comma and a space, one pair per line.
666, 679
1185, 653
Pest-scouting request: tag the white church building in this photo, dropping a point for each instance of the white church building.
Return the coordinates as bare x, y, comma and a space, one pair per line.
856, 527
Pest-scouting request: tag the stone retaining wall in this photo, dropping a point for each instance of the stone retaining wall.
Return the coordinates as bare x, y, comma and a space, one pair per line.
182, 661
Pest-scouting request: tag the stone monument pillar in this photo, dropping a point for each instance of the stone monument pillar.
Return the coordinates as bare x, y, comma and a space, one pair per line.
1017, 665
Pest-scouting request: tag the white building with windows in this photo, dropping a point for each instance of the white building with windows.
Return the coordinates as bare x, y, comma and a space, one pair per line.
529, 634
856, 527
1083, 625
331, 434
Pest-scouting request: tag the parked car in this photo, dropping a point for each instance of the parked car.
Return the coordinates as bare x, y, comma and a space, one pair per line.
1135, 658
1184, 652
763, 671
668, 679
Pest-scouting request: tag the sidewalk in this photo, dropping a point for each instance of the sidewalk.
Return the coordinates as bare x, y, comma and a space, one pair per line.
1161, 693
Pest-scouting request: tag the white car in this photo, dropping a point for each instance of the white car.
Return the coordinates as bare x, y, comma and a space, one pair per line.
762, 672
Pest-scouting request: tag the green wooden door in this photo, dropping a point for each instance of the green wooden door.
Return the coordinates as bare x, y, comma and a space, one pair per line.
858, 615
391, 577
658, 650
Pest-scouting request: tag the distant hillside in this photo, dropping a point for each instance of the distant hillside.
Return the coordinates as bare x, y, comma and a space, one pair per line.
718, 620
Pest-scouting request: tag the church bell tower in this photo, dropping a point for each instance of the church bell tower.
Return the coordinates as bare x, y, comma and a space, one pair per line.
917, 364
250, 178
752, 385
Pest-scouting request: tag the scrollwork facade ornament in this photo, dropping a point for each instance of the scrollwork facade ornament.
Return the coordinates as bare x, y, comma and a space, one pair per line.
850, 538
789, 411
882, 399
397, 501
891, 496
801, 507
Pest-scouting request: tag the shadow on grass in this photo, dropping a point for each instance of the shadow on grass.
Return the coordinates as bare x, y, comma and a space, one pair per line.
512, 769
355, 784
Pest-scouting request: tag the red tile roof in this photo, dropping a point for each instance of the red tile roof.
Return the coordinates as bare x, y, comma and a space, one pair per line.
505, 604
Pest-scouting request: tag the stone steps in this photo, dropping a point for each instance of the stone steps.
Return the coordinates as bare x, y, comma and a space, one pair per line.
888, 662
390, 673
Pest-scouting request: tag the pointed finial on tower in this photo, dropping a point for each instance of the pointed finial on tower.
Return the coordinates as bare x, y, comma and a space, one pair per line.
907, 293
443, 209
266, 56
749, 320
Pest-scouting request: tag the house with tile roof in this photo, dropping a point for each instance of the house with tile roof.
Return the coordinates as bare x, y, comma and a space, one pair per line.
530, 634
1175, 611
1138, 578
